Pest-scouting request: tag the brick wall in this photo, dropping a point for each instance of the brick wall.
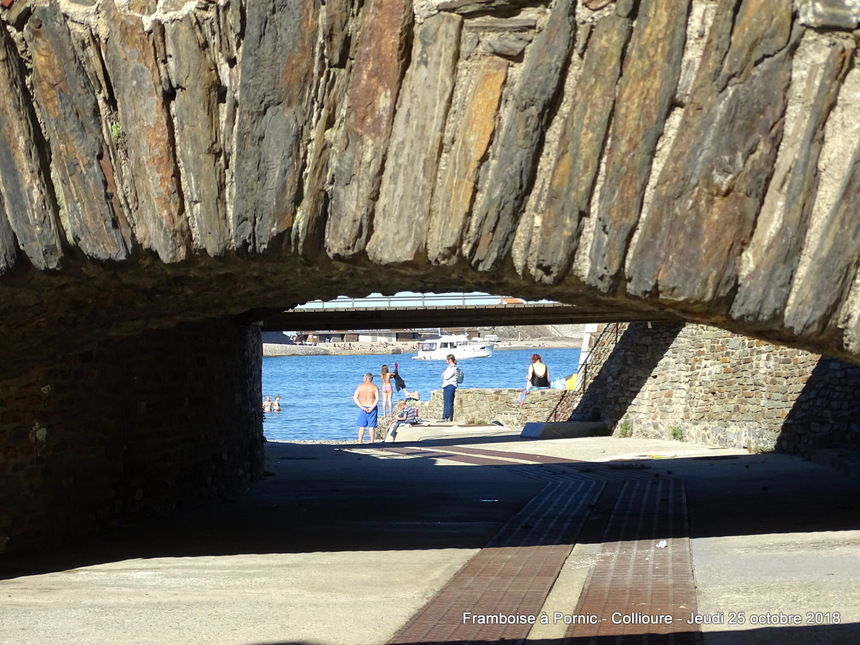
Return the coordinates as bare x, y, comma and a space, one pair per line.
716, 388
136, 426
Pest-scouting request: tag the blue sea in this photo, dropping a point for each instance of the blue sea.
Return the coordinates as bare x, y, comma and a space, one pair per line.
316, 391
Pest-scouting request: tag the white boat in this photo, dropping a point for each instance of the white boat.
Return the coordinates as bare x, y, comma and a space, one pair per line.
437, 349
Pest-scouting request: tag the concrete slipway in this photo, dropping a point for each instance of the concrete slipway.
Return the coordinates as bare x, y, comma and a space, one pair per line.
345, 544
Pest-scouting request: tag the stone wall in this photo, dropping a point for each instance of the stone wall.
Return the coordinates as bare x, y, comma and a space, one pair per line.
474, 405
240, 156
709, 386
138, 426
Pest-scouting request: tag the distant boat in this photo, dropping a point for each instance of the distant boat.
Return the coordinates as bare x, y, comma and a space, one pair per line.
437, 349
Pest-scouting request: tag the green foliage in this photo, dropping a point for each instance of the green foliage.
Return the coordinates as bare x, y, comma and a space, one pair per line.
116, 132
625, 428
677, 432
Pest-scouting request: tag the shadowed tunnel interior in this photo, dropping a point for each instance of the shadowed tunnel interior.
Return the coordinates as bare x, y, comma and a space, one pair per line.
360, 501
319, 499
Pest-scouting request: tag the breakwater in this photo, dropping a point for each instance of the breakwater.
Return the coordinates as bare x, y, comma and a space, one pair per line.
276, 349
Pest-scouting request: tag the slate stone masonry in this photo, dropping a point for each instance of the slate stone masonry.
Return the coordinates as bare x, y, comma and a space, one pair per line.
645, 155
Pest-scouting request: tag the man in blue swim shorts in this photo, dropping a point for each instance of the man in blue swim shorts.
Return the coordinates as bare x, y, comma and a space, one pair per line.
366, 397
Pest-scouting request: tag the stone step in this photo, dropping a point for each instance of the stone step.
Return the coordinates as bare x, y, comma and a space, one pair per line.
563, 429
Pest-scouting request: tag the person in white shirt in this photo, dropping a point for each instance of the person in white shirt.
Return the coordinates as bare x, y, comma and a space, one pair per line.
449, 388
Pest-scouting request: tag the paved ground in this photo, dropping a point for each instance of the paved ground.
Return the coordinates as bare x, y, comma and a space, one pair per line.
434, 541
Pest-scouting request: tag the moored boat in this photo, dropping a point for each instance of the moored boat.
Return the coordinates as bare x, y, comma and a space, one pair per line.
437, 349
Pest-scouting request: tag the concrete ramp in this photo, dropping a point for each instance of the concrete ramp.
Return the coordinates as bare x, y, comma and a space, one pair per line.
562, 430
450, 431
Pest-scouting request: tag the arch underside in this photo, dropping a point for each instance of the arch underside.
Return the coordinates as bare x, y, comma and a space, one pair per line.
163, 162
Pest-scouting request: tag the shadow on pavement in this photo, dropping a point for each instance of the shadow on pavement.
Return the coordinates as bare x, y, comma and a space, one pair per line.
839, 633
332, 498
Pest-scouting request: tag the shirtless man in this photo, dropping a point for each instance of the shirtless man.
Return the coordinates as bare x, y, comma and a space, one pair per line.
366, 397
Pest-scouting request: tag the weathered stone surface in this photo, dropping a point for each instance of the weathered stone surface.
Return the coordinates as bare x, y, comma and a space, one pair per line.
475, 116
571, 185
181, 421
716, 388
308, 234
158, 212
26, 205
838, 14
274, 118
157, 215
626, 8
596, 5
641, 107
836, 249
775, 248
518, 23
761, 30
400, 223
336, 32
473, 6
713, 184
199, 143
506, 46
505, 186
148, 7
73, 128
249, 140
15, 13
7, 241
359, 152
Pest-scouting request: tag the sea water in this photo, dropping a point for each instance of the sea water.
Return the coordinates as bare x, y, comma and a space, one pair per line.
316, 391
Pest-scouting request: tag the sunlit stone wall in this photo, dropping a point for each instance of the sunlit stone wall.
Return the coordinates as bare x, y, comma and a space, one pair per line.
709, 386
484, 405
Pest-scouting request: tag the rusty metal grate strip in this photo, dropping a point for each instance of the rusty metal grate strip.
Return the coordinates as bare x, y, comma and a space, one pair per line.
512, 575
635, 578
644, 571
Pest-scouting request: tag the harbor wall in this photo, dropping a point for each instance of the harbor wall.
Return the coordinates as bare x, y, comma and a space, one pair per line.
709, 386
140, 426
482, 406
692, 383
